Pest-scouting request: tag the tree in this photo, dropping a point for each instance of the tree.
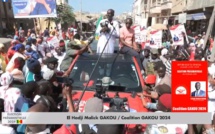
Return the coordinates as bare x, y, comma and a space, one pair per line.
65, 15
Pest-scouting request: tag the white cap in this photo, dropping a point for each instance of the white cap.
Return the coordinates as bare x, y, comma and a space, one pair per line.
47, 73
164, 52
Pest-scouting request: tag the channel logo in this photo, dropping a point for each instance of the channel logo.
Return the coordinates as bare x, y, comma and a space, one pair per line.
181, 91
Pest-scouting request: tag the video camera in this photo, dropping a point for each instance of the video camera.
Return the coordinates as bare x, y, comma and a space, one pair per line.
116, 103
104, 24
100, 90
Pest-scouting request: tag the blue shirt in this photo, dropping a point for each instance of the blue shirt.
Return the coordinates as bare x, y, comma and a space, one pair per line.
29, 76
93, 127
52, 4
39, 9
33, 55
21, 101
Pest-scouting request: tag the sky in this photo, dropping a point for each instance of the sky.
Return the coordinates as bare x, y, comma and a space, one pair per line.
98, 6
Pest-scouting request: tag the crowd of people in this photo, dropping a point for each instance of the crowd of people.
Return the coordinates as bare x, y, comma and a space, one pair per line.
30, 66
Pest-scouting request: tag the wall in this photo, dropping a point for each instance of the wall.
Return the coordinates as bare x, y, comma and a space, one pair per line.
137, 11
197, 4
8, 8
178, 6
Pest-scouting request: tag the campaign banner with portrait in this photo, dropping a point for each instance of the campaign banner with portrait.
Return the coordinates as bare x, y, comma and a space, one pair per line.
190, 85
137, 32
34, 8
177, 34
53, 42
155, 39
143, 35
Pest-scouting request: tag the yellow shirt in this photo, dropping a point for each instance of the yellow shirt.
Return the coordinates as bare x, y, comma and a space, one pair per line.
81, 43
3, 62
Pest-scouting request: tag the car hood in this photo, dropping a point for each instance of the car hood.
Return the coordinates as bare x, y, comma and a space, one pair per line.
134, 103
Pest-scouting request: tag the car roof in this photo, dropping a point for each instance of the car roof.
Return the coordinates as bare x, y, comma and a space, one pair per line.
107, 57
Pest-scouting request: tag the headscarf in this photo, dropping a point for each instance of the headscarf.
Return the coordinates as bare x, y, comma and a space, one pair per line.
1, 45
17, 47
6, 80
9, 94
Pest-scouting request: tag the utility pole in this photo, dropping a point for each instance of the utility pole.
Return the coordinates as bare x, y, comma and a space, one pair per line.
1, 26
81, 15
210, 27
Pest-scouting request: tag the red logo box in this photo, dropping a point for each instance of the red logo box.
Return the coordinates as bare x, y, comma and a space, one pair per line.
189, 86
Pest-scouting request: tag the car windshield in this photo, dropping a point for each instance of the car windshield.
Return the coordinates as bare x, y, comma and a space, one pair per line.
118, 74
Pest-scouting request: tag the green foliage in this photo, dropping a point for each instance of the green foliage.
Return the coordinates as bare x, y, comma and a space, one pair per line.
65, 15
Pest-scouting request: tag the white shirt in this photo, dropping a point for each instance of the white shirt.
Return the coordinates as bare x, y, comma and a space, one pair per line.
211, 70
46, 131
92, 126
41, 50
60, 59
11, 96
158, 79
34, 47
6, 130
165, 128
10, 65
197, 92
104, 37
200, 42
211, 100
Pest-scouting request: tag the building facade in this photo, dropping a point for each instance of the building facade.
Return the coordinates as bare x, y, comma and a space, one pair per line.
6, 15
178, 6
136, 12
150, 12
8, 23
197, 14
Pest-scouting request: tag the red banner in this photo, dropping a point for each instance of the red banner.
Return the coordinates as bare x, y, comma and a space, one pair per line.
189, 86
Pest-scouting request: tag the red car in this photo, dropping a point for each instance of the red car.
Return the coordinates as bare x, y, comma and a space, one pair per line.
120, 70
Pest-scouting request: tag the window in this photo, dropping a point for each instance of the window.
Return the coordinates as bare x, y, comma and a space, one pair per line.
121, 74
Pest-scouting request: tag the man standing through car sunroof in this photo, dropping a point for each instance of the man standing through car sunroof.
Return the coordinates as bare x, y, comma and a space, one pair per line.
108, 28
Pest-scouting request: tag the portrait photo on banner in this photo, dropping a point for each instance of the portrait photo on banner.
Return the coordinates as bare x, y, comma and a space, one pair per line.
198, 88
34, 8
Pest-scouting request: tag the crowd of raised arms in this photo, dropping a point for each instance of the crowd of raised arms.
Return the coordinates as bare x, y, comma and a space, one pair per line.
30, 66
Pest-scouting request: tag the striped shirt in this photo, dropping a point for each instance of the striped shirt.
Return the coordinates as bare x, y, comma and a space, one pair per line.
168, 64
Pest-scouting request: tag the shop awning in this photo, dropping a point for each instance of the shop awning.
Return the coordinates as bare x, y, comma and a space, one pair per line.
199, 16
189, 17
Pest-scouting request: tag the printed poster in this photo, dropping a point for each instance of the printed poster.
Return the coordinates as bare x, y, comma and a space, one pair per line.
189, 86
176, 33
137, 31
53, 42
155, 39
143, 35
34, 8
